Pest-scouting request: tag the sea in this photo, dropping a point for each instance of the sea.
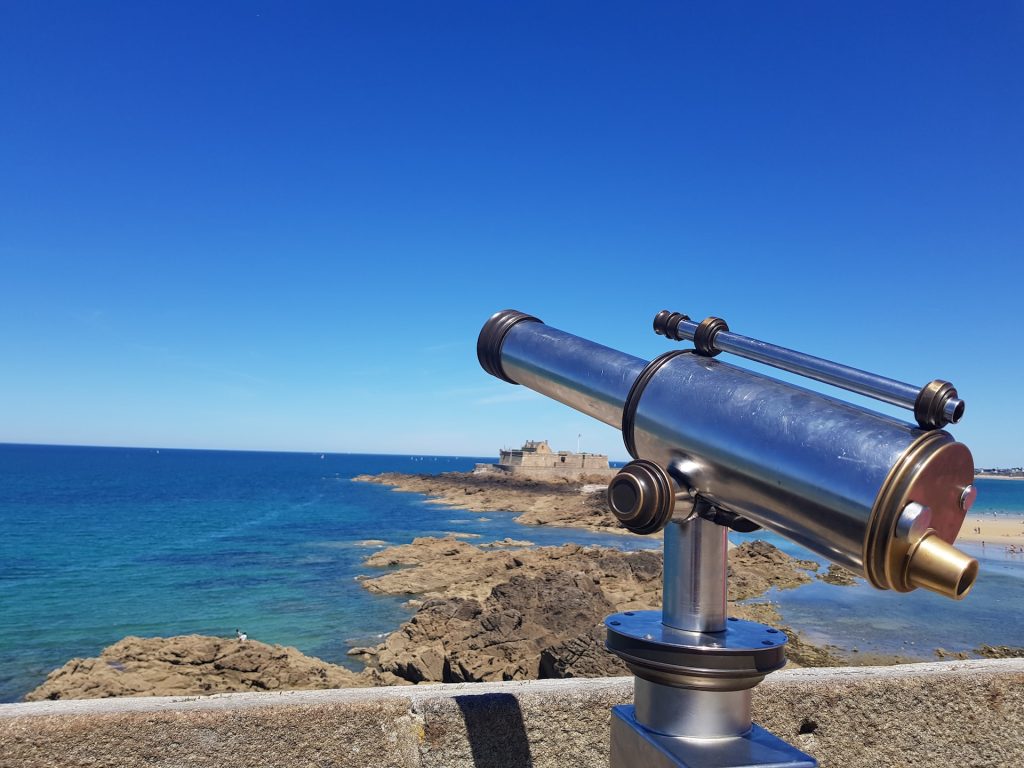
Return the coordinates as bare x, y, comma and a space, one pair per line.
100, 543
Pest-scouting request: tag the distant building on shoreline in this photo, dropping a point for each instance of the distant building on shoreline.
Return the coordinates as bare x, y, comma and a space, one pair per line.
537, 454
536, 458
1014, 473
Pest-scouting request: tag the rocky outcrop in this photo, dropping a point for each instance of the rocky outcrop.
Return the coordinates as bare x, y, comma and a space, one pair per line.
757, 566
568, 503
985, 651
582, 655
484, 614
448, 567
838, 575
502, 638
191, 665
1000, 652
513, 615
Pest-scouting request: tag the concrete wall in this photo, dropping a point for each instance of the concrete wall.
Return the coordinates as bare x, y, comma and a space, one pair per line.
951, 713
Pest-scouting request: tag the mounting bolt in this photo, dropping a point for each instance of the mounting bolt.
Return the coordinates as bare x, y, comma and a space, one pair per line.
914, 521
967, 498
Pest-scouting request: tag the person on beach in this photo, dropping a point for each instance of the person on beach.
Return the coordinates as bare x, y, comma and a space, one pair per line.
242, 637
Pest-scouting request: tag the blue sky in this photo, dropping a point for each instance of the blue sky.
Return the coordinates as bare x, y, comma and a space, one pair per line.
281, 225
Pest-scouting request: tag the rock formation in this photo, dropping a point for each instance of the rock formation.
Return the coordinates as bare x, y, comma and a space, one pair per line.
506, 612
191, 665
502, 638
447, 567
567, 503
1000, 652
512, 615
839, 576
757, 566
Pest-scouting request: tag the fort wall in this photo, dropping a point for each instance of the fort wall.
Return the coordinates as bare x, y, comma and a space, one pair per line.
537, 459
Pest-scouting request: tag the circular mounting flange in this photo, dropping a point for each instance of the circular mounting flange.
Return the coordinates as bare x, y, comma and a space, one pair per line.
733, 660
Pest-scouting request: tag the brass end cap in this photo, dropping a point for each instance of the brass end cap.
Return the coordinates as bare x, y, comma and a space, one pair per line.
939, 567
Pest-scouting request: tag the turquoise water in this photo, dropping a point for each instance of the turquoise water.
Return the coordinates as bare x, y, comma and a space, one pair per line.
99, 543
917, 623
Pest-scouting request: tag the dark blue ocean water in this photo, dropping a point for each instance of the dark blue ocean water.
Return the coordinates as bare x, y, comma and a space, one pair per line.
99, 543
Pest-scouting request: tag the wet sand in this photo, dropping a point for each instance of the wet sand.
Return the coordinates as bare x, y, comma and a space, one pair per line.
1000, 530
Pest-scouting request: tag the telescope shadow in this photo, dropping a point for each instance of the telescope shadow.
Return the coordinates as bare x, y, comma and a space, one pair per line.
495, 730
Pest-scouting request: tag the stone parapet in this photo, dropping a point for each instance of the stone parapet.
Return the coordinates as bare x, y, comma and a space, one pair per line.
965, 713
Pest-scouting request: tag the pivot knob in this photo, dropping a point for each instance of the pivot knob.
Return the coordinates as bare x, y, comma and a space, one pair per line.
642, 497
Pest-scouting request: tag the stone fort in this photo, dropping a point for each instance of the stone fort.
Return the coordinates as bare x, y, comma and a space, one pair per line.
537, 458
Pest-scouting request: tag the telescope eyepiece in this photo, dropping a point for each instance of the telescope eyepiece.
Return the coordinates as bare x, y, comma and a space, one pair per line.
492, 335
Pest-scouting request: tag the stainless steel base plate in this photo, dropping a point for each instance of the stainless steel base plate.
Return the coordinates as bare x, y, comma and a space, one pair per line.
634, 747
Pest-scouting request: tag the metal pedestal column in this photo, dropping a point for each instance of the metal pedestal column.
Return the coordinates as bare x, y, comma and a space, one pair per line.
695, 668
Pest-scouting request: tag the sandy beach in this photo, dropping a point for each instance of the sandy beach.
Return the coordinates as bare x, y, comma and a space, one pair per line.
1001, 530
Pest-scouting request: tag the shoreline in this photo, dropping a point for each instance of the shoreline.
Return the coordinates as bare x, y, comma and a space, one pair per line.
463, 594
466, 597
503, 610
522, 496
534, 501
581, 504
999, 530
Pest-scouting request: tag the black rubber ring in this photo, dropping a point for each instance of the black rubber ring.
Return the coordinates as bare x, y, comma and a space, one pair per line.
704, 336
637, 390
492, 336
928, 408
667, 324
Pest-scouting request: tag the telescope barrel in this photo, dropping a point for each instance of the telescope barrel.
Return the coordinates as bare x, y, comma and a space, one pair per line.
934, 405
522, 350
874, 494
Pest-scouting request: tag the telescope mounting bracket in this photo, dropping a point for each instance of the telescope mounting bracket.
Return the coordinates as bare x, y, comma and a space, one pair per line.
695, 667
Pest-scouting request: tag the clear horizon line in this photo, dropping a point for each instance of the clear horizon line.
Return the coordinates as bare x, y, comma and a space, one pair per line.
4, 443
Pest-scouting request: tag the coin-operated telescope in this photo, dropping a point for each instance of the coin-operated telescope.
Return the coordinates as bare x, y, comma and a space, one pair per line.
715, 447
